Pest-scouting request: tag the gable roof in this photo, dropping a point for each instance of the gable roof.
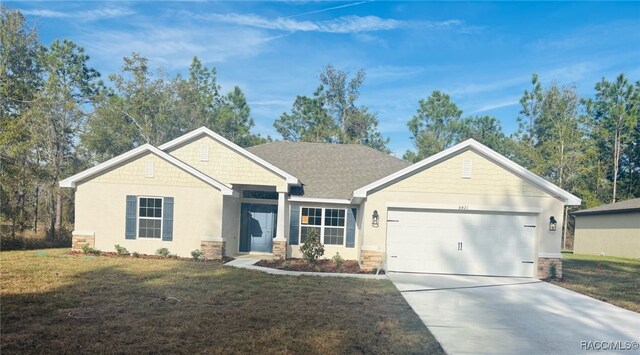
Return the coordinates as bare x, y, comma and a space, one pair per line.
483, 150
618, 207
329, 171
134, 153
204, 131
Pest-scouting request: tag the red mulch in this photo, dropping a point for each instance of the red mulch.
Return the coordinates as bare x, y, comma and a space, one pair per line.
322, 265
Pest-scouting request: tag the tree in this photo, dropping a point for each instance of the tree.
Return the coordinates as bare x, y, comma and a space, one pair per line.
20, 79
146, 108
59, 113
486, 130
331, 115
233, 120
615, 110
434, 127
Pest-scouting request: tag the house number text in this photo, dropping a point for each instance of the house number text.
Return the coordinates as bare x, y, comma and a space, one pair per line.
463, 207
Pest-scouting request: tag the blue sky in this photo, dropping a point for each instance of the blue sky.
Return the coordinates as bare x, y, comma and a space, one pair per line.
481, 53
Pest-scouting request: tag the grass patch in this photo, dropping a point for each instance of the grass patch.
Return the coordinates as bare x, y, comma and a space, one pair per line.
613, 280
59, 303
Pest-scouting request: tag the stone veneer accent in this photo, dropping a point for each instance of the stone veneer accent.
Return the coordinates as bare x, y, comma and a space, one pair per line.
212, 249
545, 263
78, 241
279, 249
370, 259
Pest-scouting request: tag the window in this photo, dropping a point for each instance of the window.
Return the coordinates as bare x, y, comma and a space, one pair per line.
150, 217
328, 222
311, 217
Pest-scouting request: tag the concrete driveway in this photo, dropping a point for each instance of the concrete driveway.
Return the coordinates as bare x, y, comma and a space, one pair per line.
504, 315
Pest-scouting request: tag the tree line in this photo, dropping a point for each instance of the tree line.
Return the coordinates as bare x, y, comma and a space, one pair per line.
59, 117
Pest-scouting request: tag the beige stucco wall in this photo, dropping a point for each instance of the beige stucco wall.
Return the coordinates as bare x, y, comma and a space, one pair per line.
614, 234
226, 165
293, 251
231, 224
100, 206
441, 186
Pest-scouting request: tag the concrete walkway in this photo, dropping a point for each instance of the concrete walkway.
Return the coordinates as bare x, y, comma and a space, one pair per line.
505, 315
247, 262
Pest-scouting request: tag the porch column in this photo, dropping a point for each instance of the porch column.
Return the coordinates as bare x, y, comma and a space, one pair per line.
280, 242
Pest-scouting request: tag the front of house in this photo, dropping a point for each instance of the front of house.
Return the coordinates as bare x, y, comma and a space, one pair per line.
466, 210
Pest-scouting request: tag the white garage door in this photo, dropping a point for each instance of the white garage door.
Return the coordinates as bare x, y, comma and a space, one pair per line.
461, 243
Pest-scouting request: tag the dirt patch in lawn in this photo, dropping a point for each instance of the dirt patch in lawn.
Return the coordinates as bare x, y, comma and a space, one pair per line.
612, 280
323, 265
54, 302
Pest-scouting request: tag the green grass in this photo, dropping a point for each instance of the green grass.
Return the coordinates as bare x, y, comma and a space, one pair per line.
613, 280
56, 303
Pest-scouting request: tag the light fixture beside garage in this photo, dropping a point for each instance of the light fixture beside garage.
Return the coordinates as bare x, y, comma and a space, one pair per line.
552, 224
375, 218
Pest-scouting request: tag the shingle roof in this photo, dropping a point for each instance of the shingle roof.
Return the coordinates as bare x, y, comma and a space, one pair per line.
624, 206
329, 170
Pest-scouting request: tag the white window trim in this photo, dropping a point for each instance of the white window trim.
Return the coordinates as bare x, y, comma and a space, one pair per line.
322, 225
161, 218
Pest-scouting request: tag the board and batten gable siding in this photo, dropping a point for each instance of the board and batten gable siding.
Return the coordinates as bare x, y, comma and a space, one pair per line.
611, 234
226, 165
100, 205
443, 184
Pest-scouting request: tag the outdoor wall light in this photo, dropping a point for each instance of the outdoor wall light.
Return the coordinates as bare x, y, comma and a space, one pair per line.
375, 218
552, 224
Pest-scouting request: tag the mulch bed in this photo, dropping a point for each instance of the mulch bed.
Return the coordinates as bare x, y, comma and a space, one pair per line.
323, 265
225, 259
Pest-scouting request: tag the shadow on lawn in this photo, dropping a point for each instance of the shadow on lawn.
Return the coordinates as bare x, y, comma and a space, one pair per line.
180, 307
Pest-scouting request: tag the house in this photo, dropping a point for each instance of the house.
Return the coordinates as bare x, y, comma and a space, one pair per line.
465, 210
609, 230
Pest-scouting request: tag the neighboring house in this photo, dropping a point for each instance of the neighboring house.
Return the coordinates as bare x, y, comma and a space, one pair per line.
466, 210
609, 230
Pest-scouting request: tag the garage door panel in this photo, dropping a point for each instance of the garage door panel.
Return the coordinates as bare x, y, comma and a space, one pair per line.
492, 244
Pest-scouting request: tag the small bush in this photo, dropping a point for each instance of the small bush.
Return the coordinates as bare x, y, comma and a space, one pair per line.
312, 249
89, 250
197, 255
135, 254
120, 250
163, 252
553, 272
338, 260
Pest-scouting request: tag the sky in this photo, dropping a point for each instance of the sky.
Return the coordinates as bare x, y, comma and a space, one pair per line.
481, 53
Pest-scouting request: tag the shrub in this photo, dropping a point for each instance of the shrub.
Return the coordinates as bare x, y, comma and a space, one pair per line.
89, 250
312, 249
135, 254
338, 260
120, 250
197, 255
163, 252
553, 272
30, 242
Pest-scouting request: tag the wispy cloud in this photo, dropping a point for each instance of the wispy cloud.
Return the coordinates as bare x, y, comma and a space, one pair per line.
88, 15
346, 24
329, 9
495, 105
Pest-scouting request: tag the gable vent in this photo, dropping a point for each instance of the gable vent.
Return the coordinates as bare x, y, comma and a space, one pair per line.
204, 152
148, 171
466, 169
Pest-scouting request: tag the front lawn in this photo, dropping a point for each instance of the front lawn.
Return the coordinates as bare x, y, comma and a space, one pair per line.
612, 280
58, 303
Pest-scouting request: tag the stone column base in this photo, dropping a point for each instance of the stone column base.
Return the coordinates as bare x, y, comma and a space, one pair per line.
370, 259
212, 250
78, 241
544, 265
279, 249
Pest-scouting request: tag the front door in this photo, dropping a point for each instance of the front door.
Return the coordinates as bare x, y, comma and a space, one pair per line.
257, 227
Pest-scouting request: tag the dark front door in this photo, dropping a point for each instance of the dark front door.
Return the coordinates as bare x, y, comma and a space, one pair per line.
257, 227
